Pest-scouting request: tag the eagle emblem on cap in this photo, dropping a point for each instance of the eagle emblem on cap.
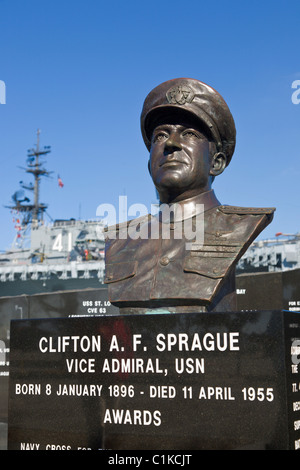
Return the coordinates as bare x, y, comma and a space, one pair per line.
180, 94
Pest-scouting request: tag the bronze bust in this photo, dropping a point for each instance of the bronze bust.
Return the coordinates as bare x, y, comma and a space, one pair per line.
190, 133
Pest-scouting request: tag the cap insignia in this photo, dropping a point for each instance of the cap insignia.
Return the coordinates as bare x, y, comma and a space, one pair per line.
181, 94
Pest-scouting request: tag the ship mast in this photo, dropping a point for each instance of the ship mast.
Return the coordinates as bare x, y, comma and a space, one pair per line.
35, 168
32, 213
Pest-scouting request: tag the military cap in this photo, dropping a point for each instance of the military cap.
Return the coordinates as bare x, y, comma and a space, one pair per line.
193, 97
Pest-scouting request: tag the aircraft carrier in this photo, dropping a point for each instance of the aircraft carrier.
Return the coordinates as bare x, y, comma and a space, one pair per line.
51, 255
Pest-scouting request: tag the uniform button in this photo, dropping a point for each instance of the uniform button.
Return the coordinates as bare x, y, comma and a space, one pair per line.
164, 261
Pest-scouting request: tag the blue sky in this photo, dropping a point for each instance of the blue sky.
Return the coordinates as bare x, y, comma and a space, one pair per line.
80, 70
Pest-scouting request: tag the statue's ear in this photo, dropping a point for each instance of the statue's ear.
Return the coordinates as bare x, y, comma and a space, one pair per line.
149, 167
218, 164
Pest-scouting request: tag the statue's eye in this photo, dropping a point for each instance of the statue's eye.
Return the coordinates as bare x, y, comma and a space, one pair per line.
191, 134
160, 137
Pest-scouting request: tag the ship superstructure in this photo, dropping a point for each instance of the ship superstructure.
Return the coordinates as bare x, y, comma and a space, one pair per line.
281, 253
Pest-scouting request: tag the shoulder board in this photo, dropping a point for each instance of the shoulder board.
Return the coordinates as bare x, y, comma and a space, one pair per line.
247, 210
124, 225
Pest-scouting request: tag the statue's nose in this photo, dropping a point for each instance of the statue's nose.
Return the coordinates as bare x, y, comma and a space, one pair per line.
173, 144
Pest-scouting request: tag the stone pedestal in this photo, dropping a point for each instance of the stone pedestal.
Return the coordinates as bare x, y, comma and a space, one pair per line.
183, 381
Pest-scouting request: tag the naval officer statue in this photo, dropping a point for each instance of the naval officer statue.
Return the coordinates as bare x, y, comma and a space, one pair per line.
190, 133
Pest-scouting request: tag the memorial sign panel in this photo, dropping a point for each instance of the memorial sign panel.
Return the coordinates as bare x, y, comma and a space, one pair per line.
86, 302
262, 291
182, 381
17, 308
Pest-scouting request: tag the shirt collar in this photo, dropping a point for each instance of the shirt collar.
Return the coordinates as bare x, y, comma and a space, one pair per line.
187, 208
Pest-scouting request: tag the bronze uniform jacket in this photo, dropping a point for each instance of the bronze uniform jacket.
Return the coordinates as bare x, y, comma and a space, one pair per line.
144, 275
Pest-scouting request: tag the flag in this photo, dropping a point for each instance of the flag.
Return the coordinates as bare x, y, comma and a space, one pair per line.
60, 183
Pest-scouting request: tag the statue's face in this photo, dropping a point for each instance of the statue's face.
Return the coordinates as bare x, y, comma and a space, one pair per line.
179, 161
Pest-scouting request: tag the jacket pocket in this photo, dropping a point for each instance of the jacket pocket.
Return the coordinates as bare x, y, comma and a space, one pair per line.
209, 267
119, 271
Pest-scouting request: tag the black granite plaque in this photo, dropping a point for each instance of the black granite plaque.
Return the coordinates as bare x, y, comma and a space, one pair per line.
291, 290
86, 302
184, 381
10, 307
278, 290
259, 291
